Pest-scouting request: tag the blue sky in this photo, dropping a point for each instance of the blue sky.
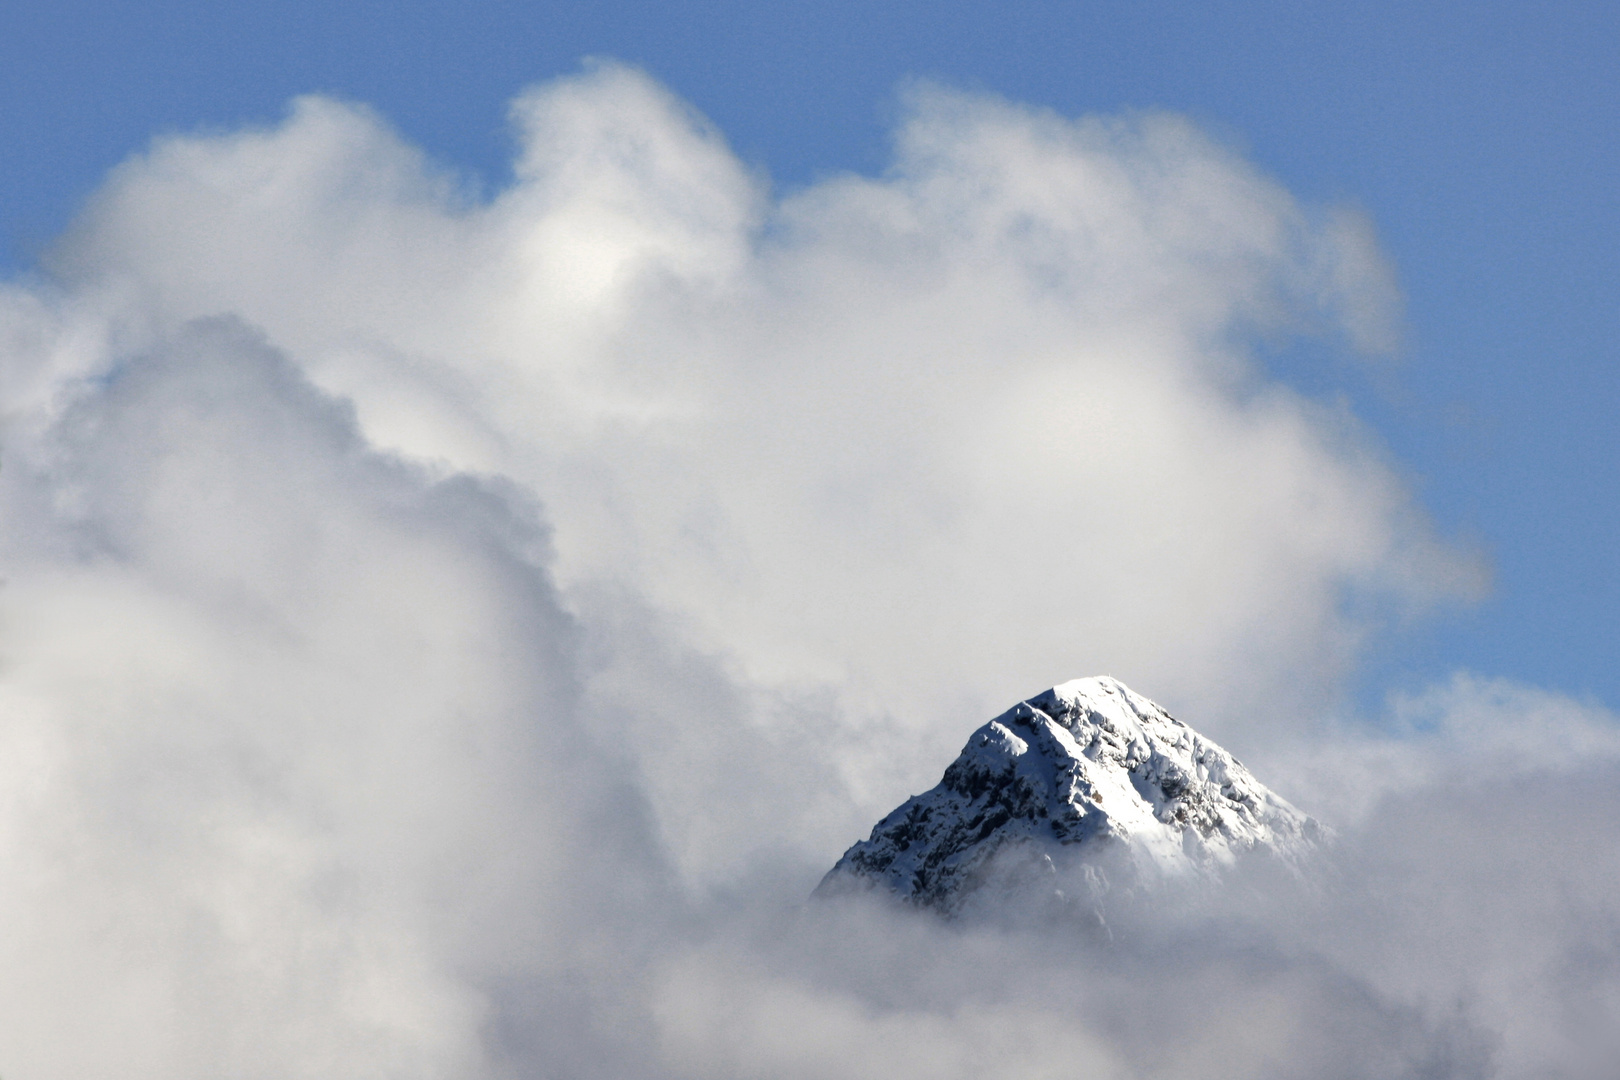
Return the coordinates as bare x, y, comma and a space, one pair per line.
1482, 142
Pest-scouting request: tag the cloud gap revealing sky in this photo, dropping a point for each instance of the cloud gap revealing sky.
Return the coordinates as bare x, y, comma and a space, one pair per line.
449, 626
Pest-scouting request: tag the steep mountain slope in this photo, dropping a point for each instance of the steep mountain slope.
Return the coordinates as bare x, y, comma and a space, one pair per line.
1086, 774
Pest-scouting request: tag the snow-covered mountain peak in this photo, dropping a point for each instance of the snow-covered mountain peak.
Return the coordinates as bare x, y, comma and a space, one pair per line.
1084, 770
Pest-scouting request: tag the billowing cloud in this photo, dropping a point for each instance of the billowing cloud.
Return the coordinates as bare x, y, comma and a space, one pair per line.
288, 726
447, 637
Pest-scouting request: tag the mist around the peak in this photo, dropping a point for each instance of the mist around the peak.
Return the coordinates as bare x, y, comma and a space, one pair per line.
446, 638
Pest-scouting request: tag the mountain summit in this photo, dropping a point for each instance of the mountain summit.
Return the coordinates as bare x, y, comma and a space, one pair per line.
1084, 776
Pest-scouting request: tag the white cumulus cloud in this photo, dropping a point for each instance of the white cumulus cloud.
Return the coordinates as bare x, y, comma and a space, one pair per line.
447, 637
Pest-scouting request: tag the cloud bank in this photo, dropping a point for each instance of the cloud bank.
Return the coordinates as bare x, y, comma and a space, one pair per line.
447, 637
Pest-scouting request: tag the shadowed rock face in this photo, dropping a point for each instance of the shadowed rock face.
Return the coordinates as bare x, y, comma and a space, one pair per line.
1085, 770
